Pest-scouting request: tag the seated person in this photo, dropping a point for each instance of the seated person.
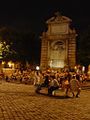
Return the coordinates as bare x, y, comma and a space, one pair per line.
45, 83
53, 85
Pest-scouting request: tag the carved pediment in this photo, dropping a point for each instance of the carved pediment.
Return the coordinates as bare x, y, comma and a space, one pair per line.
58, 18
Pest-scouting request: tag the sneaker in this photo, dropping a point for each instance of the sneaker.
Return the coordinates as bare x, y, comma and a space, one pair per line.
77, 96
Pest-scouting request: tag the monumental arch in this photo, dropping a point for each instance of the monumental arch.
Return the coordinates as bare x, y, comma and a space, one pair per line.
58, 43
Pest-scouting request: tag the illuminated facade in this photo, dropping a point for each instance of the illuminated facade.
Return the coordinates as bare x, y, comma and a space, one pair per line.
58, 47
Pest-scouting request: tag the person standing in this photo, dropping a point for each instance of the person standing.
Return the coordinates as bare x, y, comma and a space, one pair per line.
75, 86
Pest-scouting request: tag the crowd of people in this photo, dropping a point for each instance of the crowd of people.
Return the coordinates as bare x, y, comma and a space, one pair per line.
52, 79
70, 82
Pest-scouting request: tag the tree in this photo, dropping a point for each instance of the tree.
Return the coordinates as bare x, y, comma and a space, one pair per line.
16, 46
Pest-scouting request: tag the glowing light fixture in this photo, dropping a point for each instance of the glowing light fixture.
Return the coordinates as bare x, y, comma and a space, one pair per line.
37, 68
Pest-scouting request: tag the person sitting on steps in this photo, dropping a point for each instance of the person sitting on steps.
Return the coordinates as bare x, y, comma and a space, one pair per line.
53, 85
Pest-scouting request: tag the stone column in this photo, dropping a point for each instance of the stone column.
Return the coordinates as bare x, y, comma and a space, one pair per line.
72, 52
44, 52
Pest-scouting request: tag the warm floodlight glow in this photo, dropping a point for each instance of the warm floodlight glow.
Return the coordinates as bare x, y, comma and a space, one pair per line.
56, 63
83, 68
3, 62
9, 64
37, 68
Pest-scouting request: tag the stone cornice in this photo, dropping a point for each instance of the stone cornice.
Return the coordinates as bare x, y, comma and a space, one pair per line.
61, 36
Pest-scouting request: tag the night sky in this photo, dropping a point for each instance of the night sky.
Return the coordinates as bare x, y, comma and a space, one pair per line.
32, 14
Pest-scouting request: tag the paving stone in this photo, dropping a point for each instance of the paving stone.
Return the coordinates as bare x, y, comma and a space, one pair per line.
20, 102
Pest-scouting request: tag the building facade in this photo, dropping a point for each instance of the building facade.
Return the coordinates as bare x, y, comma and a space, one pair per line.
58, 43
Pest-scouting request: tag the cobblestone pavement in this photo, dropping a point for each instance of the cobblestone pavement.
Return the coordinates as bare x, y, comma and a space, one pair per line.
20, 102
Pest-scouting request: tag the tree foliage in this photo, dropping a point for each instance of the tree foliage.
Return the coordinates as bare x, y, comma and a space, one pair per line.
16, 45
